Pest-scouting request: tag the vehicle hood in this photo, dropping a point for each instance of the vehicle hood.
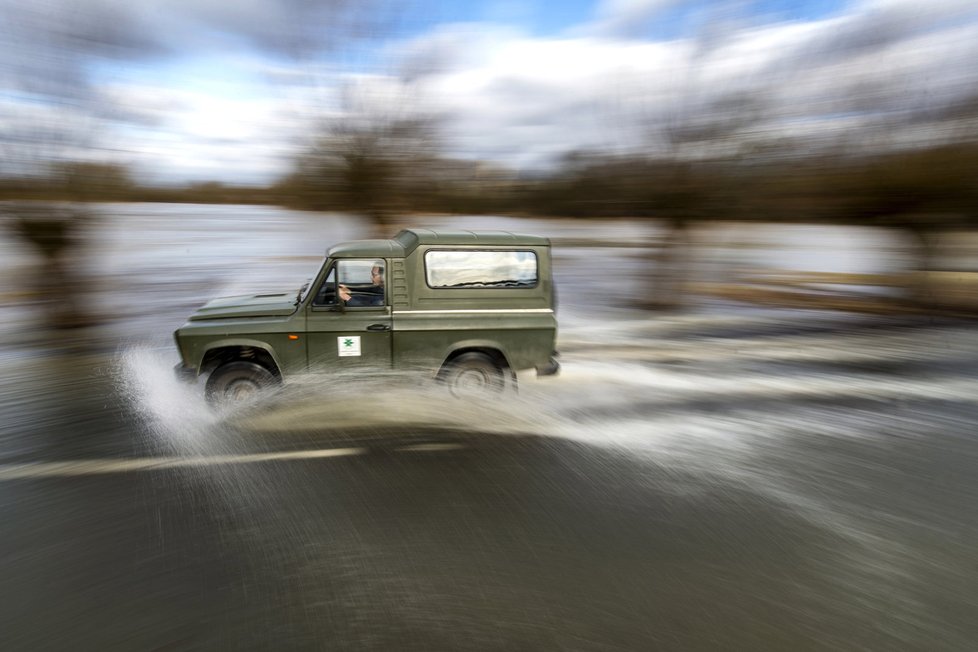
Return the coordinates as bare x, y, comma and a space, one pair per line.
247, 305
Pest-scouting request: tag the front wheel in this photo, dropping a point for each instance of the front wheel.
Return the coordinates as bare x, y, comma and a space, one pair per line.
238, 383
473, 374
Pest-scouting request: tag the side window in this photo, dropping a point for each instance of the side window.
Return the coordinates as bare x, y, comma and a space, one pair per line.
361, 282
481, 269
327, 291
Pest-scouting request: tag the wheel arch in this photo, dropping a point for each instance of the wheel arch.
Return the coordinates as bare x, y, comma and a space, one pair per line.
224, 351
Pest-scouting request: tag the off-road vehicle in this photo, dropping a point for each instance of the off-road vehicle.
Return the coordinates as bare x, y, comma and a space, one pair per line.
468, 309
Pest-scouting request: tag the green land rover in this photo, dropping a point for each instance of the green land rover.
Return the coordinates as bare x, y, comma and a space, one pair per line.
468, 309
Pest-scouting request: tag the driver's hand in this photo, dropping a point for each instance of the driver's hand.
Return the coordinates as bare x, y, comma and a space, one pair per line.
344, 292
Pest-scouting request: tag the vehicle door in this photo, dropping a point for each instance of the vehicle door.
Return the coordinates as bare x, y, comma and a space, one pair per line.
348, 323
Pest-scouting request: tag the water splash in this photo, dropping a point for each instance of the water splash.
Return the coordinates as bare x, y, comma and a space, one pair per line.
175, 413
622, 396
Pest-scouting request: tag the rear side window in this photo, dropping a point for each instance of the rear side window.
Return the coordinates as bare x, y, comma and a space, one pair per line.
481, 269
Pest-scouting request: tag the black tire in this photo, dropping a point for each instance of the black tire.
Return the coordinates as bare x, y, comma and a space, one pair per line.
473, 374
238, 382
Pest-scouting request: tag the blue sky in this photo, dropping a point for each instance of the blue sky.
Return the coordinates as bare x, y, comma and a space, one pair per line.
191, 90
542, 18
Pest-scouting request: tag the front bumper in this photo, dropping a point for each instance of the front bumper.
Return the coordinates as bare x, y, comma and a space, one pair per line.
185, 374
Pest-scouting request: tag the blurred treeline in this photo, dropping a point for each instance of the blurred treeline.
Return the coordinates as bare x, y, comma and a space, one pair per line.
918, 189
111, 182
927, 187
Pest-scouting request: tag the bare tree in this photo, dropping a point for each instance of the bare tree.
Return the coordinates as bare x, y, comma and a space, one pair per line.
692, 145
372, 157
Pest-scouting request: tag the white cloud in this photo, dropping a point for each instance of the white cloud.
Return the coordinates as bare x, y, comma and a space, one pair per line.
524, 100
198, 135
506, 95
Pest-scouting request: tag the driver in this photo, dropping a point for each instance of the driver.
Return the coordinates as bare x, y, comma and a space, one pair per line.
368, 296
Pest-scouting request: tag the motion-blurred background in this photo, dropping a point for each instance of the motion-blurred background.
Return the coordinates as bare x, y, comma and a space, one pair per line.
765, 219
703, 123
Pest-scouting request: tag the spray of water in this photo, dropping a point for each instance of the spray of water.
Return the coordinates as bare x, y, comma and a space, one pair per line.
175, 414
661, 396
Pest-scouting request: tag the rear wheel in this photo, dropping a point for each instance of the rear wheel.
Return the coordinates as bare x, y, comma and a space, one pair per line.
238, 383
473, 374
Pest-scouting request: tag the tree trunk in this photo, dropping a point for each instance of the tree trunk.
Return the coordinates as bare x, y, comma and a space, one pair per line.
920, 289
381, 224
668, 269
56, 235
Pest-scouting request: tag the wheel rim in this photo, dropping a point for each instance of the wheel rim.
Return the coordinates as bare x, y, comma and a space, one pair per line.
472, 379
471, 383
242, 389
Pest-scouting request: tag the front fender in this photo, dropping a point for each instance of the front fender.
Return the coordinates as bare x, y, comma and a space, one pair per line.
232, 343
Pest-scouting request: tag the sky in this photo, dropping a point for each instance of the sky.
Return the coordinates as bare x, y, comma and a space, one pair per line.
198, 90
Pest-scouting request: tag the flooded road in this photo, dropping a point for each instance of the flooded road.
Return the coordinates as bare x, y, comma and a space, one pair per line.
727, 478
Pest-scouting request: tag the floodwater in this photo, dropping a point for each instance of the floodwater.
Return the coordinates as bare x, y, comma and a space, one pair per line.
727, 477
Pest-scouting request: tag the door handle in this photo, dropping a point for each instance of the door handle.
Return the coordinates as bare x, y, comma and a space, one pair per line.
379, 327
